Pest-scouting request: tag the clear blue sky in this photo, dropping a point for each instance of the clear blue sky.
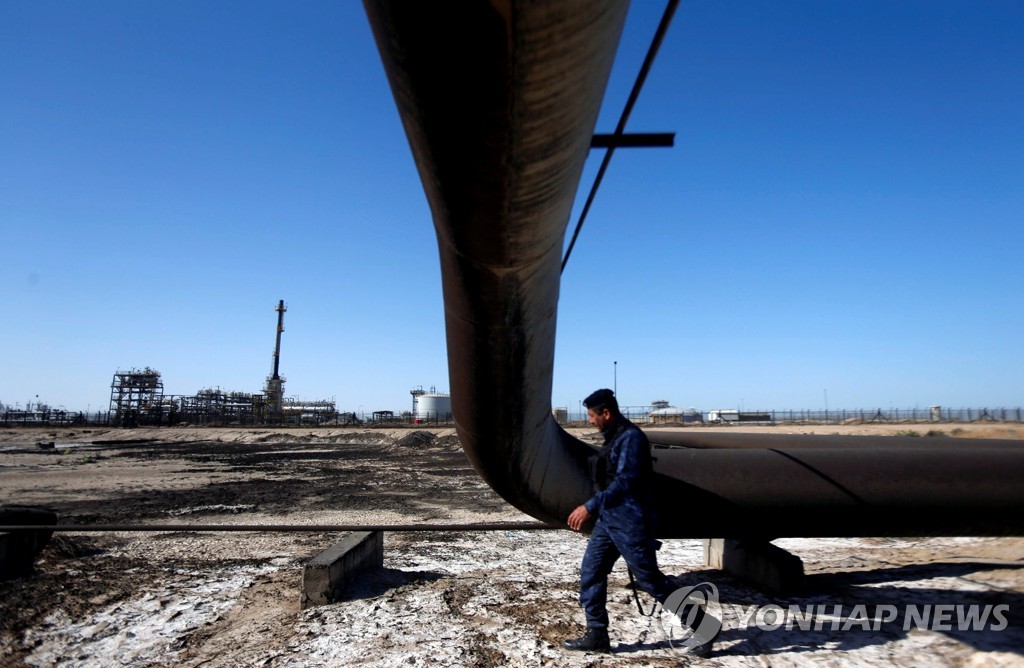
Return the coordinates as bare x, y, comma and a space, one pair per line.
842, 211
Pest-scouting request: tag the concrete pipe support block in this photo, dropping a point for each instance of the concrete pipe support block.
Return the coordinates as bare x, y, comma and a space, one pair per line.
327, 574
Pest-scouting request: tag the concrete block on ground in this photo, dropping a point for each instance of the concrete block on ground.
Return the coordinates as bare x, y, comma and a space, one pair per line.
764, 565
327, 574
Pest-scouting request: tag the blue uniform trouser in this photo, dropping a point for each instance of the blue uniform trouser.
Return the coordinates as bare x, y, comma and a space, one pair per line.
605, 546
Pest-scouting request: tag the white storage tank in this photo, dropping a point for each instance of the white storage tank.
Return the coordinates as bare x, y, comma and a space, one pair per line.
432, 406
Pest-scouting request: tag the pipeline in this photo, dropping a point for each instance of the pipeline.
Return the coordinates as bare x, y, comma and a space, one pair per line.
276, 528
698, 438
499, 100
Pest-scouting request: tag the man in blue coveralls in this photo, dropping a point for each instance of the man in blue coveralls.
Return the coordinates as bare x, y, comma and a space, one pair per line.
624, 507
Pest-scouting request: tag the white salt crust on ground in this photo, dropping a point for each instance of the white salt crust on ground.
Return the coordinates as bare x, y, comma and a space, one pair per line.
443, 598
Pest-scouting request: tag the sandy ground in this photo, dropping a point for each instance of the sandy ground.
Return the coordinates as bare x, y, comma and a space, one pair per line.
76, 436
443, 598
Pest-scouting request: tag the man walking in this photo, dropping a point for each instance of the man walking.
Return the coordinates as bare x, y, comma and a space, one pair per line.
624, 507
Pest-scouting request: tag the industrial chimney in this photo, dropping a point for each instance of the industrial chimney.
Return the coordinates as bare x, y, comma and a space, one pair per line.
274, 388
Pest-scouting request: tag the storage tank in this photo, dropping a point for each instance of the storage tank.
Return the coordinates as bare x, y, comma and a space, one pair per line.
432, 406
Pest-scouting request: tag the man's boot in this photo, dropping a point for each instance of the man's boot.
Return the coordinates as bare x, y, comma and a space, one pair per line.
705, 631
705, 627
702, 650
595, 640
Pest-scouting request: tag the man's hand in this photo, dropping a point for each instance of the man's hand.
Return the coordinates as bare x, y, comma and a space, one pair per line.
578, 517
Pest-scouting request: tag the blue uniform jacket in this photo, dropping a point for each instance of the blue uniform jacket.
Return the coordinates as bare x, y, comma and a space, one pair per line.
627, 501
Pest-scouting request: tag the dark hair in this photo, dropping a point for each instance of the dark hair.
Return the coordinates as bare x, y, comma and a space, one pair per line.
602, 399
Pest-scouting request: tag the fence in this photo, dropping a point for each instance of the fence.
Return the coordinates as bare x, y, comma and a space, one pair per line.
54, 418
642, 415
638, 414
898, 415
212, 418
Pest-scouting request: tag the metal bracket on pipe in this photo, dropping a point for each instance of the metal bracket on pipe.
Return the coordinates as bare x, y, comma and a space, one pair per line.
634, 140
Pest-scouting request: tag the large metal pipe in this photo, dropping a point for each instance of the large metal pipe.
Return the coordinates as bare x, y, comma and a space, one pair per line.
697, 437
876, 491
499, 99
499, 102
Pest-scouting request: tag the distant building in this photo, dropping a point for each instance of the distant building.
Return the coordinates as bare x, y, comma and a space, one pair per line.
665, 414
720, 415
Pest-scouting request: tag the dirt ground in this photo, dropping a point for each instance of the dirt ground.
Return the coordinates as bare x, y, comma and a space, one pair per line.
443, 598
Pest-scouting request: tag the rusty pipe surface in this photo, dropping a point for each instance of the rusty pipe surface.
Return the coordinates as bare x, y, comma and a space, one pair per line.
499, 100
875, 491
695, 437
